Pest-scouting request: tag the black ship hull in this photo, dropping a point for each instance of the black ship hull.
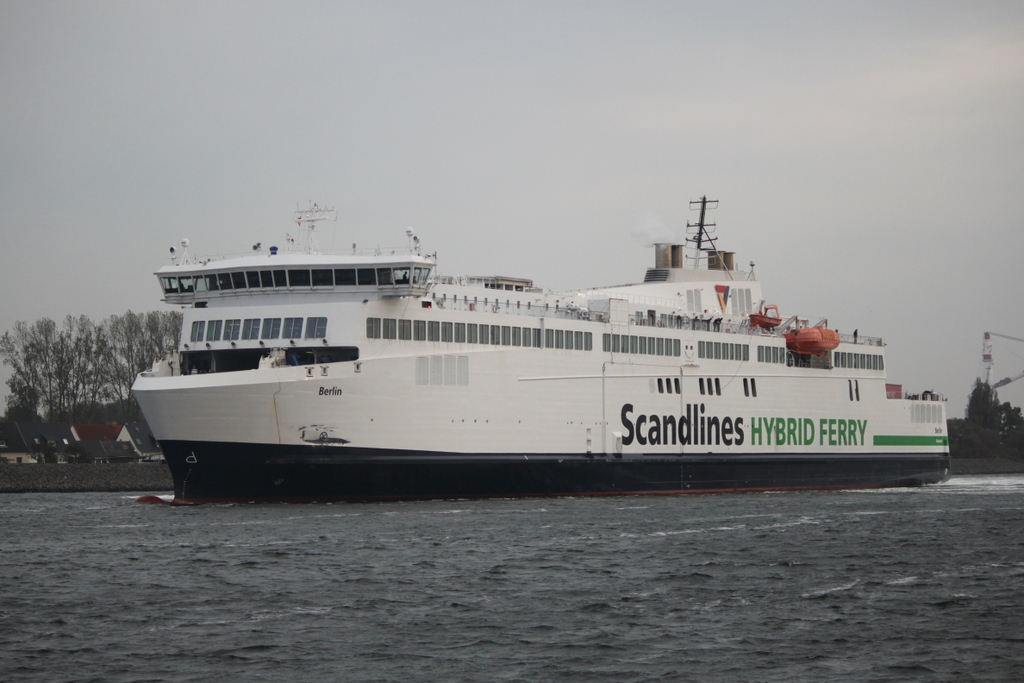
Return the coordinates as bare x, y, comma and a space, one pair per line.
243, 472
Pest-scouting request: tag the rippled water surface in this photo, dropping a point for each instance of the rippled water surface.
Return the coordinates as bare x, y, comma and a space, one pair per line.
912, 584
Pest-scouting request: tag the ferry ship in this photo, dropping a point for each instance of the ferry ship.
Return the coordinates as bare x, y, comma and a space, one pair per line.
310, 376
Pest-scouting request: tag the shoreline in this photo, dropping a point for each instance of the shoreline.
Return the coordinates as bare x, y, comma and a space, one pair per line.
156, 477
152, 477
987, 466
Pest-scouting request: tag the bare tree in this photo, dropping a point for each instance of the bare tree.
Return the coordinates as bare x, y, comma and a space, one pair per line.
68, 373
133, 342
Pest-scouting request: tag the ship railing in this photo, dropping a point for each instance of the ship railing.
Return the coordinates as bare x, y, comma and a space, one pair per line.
290, 248
527, 309
860, 339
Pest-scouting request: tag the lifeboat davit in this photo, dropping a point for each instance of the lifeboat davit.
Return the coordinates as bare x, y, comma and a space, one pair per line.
814, 340
763, 319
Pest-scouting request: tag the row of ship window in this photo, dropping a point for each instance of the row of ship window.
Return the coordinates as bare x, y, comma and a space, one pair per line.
257, 328
708, 387
650, 346
473, 333
723, 350
296, 277
858, 361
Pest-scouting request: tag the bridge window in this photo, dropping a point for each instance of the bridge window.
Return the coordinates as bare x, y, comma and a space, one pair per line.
344, 277
298, 278
366, 276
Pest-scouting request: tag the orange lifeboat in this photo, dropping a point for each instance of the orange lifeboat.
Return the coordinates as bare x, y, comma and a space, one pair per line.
763, 319
813, 340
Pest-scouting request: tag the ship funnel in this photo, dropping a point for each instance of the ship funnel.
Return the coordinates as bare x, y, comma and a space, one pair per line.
662, 256
668, 255
722, 260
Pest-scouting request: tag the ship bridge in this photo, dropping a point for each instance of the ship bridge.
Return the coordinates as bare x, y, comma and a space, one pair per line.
393, 275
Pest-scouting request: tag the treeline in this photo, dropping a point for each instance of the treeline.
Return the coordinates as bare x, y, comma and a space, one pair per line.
81, 371
990, 430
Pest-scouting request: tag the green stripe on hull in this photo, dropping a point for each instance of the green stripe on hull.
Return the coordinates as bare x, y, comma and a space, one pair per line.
886, 440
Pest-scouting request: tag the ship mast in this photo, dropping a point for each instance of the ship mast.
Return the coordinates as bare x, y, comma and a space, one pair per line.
704, 234
307, 220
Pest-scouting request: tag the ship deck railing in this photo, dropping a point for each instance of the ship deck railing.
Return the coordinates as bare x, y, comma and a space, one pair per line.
708, 323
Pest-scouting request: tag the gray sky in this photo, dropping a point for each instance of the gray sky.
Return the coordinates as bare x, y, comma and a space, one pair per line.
867, 155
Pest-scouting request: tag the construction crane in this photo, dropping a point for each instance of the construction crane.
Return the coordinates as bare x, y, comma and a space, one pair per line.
986, 358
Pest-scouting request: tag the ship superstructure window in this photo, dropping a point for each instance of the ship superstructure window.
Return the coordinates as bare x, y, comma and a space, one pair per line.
384, 276
238, 280
433, 331
316, 328
252, 278
771, 354
366, 276
471, 333
213, 330
401, 276
231, 329
251, 328
405, 329
271, 328
723, 350
292, 328
198, 330
322, 277
344, 277
390, 328
858, 361
653, 346
373, 328
419, 330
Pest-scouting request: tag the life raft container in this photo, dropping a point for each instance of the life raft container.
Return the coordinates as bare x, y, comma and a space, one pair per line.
814, 340
763, 319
